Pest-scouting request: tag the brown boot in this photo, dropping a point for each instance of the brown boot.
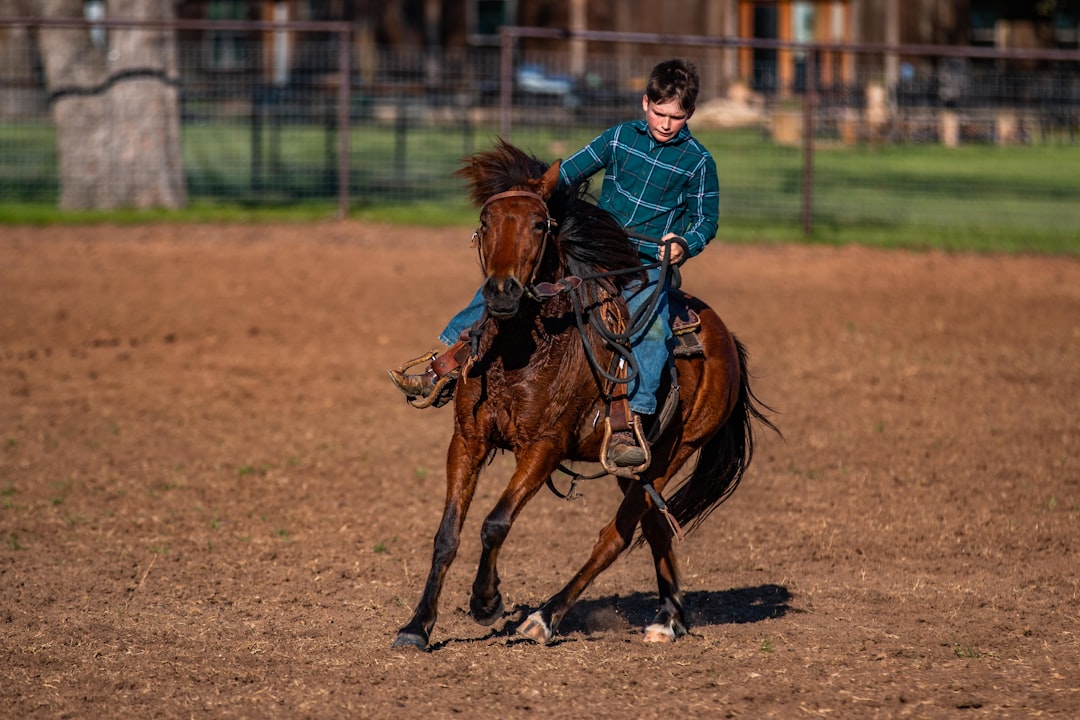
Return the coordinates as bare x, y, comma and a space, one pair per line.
414, 386
435, 385
624, 451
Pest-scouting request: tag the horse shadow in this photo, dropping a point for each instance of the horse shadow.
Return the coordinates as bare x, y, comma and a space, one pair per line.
703, 608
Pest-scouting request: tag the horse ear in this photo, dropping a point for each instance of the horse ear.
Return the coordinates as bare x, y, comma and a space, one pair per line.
550, 180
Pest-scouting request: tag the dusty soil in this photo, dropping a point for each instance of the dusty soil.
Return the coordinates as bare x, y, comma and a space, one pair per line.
213, 504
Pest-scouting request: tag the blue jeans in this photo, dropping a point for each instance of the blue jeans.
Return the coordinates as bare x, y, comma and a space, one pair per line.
463, 320
651, 346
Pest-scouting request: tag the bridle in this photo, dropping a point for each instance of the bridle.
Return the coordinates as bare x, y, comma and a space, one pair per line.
551, 223
618, 341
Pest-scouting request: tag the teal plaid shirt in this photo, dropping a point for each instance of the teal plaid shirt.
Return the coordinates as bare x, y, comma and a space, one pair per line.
652, 188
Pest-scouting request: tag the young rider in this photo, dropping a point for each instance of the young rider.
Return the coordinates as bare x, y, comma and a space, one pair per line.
660, 183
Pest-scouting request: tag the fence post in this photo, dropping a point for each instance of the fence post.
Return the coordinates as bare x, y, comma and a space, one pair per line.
809, 103
256, 138
344, 43
506, 86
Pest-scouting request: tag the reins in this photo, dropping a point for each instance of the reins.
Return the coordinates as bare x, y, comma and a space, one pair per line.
617, 340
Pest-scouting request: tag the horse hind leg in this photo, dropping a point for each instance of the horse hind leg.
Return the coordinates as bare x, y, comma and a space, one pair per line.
615, 537
669, 623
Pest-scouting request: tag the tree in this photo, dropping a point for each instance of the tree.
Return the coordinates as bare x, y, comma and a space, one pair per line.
115, 102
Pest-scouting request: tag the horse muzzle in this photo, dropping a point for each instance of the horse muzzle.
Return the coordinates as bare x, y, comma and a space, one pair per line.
502, 297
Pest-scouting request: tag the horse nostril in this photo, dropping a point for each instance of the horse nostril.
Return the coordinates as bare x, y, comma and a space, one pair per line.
502, 296
508, 286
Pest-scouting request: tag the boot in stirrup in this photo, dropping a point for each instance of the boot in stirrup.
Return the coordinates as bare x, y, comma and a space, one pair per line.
624, 448
435, 385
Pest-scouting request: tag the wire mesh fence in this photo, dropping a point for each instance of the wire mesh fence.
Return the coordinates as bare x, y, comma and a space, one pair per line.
983, 144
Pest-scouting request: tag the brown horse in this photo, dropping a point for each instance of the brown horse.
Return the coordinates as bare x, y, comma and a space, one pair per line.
532, 388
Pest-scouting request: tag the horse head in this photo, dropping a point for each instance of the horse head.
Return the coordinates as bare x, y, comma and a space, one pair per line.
513, 239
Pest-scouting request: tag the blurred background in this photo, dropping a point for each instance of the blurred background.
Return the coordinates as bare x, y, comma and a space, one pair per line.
884, 120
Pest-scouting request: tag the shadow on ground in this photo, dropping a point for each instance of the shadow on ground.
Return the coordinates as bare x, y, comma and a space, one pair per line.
619, 613
703, 608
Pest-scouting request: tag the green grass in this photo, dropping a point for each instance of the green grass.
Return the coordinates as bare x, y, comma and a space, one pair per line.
199, 210
982, 198
971, 198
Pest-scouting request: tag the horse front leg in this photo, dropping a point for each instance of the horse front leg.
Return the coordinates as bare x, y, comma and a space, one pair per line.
463, 468
614, 538
533, 468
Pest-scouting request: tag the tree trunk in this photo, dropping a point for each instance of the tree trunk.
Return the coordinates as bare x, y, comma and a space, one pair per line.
20, 99
116, 109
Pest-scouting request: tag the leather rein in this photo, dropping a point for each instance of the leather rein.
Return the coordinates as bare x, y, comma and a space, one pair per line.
618, 341
544, 290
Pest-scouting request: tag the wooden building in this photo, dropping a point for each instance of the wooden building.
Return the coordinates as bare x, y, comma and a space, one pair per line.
438, 25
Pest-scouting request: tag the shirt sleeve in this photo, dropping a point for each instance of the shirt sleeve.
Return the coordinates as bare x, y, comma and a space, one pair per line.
703, 205
583, 164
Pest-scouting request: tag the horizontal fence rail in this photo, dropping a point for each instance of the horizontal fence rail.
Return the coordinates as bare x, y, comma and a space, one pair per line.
949, 140
948, 86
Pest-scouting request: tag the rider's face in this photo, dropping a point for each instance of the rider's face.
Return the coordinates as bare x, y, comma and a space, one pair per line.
665, 119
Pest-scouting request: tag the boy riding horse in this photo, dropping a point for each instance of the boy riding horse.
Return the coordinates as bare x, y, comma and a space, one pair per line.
659, 182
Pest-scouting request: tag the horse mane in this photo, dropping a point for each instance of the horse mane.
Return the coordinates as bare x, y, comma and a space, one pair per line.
589, 239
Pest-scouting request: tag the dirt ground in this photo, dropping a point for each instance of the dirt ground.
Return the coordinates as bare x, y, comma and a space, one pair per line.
214, 504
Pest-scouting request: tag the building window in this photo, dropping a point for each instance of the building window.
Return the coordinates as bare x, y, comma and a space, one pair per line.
984, 16
1067, 28
226, 47
487, 16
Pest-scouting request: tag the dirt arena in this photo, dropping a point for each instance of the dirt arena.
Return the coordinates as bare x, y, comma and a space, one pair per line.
214, 504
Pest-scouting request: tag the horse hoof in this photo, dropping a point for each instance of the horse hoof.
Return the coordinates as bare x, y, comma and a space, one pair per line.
659, 634
487, 617
410, 640
534, 628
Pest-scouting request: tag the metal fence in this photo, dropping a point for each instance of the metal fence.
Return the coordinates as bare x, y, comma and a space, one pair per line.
965, 140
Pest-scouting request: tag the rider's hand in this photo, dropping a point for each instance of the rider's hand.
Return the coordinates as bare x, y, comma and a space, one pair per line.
677, 251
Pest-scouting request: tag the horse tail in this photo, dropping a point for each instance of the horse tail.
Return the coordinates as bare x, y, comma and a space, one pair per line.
724, 458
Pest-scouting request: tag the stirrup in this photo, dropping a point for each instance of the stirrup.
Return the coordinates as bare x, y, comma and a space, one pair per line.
440, 394
423, 358
619, 471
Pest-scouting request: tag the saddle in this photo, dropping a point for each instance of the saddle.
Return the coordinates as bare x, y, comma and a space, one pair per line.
685, 324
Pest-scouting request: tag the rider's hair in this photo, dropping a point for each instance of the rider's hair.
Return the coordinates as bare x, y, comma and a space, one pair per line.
675, 79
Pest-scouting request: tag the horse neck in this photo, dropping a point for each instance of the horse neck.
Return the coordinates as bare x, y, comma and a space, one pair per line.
547, 327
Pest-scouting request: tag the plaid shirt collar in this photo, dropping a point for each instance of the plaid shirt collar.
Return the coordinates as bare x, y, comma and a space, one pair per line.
642, 127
